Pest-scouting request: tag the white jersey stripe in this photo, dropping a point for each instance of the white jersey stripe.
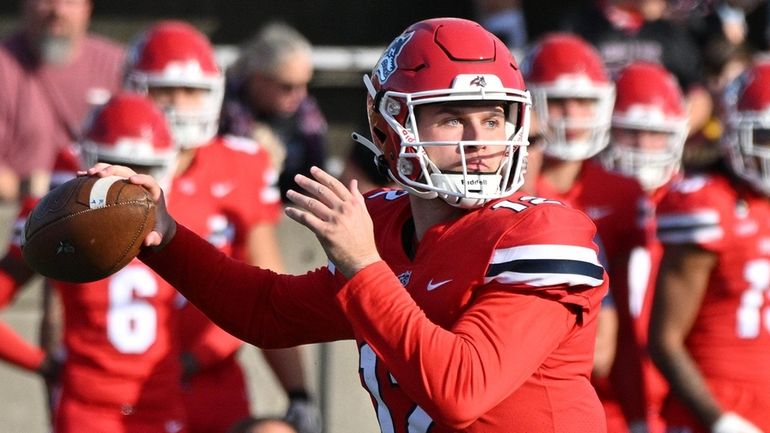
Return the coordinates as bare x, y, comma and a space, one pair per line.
544, 280
546, 265
545, 251
692, 236
699, 218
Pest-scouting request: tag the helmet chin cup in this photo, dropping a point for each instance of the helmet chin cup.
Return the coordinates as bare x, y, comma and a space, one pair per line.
466, 190
572, 150
191, 130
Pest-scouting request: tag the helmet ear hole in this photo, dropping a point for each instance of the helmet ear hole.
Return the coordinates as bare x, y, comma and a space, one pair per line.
380, 135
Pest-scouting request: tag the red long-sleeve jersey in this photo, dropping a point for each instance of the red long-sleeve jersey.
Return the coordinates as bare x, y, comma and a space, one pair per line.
489, 328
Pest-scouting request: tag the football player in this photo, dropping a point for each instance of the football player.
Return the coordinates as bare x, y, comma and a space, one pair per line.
119, 364
649, 127
710, 327
573, 98
473, 305
224, 190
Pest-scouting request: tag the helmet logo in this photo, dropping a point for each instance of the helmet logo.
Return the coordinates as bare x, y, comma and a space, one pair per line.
388, 62
479, 81
404, 278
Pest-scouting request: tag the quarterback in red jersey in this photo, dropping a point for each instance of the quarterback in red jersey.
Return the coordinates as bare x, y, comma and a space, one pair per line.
710, 328
649, 127
224, 190
120, 360
473, 305
573, 99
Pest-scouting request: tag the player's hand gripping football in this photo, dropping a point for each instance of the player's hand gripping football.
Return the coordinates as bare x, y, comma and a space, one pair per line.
165, 226
338, 216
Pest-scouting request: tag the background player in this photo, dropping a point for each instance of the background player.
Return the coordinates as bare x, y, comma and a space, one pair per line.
440, 346
120, 370
649, 128
224, 190
573, 99
709, 330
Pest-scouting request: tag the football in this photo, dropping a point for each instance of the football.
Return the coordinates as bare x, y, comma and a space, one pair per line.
87, 228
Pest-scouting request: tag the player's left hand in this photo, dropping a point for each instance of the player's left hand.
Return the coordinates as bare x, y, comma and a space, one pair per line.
338, 217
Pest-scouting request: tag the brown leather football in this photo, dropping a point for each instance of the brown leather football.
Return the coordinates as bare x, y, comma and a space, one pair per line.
87, 228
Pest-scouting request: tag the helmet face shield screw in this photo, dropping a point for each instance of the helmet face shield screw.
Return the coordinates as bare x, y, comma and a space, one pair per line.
392, 107
405, 167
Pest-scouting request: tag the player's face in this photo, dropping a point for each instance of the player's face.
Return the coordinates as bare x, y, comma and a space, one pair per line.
181, 99
281, 93
573, 111
642, 140
453, 123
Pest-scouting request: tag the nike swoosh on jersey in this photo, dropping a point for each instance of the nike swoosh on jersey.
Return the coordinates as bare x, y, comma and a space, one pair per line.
433, 286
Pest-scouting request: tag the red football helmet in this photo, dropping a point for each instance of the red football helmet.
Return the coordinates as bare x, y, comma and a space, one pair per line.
564, 66
130, 130
649, 101
747, 137
437, 61
174, 54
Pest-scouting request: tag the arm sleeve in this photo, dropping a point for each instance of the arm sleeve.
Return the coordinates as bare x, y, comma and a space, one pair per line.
256, 305
213, 344
17, 351
13, 348
455, 374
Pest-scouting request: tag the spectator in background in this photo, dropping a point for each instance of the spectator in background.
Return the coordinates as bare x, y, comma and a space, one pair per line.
223, 188
723, 61
267, 87
52, 72
710, 329
505, 19
628, 30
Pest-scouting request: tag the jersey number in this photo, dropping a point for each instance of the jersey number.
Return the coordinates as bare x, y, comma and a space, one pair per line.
417, 421
523, 203
753, 311
132, 322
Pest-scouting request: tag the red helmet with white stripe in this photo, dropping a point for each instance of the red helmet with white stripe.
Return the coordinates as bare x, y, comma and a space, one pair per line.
130, 130
446, 60
650, 106
747, 137
563, 66
174, 54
